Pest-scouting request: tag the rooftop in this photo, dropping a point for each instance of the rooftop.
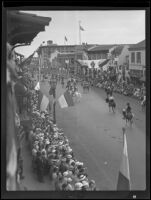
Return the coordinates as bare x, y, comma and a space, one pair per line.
101, 47
23, 28
140, 45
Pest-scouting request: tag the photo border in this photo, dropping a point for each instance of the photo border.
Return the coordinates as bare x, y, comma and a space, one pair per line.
105, 5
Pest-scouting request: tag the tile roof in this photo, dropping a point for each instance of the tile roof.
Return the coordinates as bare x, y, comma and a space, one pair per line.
118, 50
140, 45
101, 47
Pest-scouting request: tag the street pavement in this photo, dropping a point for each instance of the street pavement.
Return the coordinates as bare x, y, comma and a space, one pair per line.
95, 135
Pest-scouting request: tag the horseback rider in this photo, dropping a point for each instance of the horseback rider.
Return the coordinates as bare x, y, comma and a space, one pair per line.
111, 102
111, 98
127, 110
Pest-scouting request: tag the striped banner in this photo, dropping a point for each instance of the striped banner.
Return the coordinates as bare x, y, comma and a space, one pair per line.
65, 100
124, 173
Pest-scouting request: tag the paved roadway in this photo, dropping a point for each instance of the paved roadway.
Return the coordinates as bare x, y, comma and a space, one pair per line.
95, 136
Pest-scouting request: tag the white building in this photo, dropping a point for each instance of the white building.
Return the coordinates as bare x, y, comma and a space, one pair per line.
137, 61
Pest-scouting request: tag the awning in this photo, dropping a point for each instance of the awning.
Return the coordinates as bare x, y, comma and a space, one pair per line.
22, 28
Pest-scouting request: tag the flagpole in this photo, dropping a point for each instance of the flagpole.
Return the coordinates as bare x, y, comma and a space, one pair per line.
79, 33
123, 129
39, 67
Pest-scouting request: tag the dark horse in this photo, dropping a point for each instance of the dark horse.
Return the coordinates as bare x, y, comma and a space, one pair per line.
128, 117
112, 105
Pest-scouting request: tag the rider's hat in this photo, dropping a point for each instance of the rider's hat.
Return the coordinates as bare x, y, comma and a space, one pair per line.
128, 104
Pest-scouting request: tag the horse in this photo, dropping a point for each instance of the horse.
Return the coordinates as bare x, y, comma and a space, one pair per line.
129, 118
112, 105
77, 96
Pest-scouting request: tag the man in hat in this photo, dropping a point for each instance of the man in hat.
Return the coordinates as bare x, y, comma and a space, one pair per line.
39, 167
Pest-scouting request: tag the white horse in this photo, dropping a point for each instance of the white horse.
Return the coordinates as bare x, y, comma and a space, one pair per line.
77, 96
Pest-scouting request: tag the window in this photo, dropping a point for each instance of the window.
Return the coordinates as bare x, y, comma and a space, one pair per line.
138, 57
133, 57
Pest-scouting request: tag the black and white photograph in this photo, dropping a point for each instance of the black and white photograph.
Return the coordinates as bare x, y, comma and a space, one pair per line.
76, 100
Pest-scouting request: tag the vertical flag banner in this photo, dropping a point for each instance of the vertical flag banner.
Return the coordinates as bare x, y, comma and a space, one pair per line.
124, 173
37, 87
53, 55
65, 100
44, 103
65, 38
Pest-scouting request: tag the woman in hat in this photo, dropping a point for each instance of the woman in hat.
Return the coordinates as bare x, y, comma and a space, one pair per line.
92, 185
69, 186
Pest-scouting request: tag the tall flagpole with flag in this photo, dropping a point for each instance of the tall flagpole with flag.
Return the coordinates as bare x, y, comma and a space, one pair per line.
65, 40
79, 33
124, 182
80, 29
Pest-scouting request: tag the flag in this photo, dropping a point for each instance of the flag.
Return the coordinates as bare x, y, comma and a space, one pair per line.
44, 103
53, 55
124, 174
65, 100
37, 87
81, 28
65, 38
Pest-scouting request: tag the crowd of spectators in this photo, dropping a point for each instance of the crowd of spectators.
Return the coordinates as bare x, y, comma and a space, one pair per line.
127, 89
125, 86
52, 155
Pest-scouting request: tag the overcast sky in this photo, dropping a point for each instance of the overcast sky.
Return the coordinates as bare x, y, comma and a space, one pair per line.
101, 27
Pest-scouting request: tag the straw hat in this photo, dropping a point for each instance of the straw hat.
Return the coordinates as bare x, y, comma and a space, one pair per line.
82, 177
78, 186
65, 173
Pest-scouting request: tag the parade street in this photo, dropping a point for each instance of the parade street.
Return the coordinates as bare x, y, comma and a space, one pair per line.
95, 136
76, 102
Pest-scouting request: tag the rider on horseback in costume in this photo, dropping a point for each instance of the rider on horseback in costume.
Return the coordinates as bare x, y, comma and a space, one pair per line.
128, 108
111, 99
126, 111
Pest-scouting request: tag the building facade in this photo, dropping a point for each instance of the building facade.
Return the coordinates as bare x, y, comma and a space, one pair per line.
66, 58
99, 51
137, 61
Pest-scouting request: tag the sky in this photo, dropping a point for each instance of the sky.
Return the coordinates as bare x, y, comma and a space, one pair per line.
100, 27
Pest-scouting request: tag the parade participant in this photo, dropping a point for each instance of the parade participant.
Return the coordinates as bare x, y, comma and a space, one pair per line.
111, 98
39, 167
92, 185
62, 81
128, 108
124, 113
111, 102
143, 101
20, 168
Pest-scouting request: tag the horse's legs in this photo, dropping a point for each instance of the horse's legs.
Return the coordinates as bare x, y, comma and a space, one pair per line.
113, 109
